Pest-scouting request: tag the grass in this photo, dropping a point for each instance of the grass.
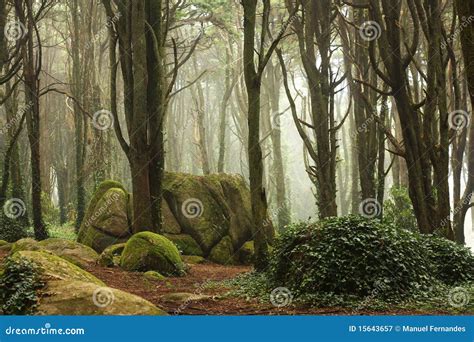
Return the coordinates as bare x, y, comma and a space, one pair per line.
66, 231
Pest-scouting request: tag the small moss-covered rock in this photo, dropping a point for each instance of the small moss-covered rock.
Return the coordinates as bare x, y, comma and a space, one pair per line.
3, 243
223, 252
153, 275
26, 244
246, 253
72, 297
54, 267
184, 297
193, 259
185, 243
147, 251
108, 257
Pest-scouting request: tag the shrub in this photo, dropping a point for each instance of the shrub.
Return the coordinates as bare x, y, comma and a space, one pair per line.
12, 230
452, 262
18, 285
398, 209
350, 256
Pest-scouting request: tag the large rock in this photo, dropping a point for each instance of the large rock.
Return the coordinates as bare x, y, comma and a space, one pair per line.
69, 290
107, 219
211, 207
82, 298
72, 251
54, 267
148, 251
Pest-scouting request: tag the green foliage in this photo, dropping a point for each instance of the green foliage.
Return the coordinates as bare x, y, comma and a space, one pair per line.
350, 256
452, 262
18, 287
49, 210
398, 209
62, 232
12, 230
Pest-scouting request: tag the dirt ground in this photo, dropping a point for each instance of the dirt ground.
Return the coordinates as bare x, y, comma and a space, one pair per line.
211, 300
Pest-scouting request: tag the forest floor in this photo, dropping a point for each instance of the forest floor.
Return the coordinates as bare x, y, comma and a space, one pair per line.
209, 294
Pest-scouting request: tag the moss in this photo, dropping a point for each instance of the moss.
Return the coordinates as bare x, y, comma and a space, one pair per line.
99, 240
3, 243
193, 259
246, 253
26, 244
54, 267
72, 251
153, 275
223, 252
185, 243
72, 297
108, 257
147, 251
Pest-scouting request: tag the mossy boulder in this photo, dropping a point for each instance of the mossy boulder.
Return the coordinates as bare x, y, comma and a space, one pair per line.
170, 224
153, 275
211, 207
223, 252
147, 251
185, 243
3, 243
246, 253
54, 267
111, 255
72, 251
72, 297
107, 219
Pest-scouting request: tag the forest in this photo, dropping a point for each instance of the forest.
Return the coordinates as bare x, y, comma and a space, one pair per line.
236, 157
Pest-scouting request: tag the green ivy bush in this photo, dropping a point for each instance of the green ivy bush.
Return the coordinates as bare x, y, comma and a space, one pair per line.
351, 256
12, 230
453, 263
18, 287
